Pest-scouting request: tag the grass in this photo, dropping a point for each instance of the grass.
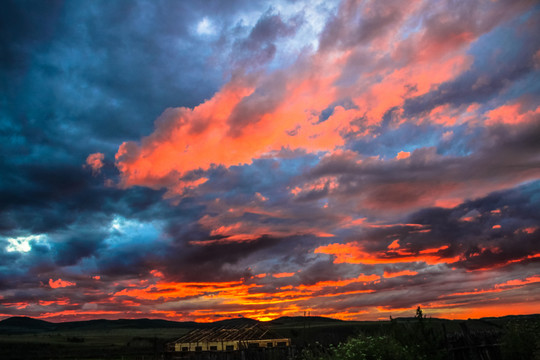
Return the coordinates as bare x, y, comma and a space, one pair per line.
136, 343
126, 344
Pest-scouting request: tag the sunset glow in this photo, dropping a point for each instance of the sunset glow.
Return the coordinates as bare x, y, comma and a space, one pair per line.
350, 159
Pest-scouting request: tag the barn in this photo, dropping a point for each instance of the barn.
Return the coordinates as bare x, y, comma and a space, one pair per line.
228, 338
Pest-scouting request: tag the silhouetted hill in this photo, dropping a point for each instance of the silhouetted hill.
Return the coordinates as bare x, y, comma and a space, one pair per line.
19, 324
124, 324
229, 322
30, 325
301, 319
513, 317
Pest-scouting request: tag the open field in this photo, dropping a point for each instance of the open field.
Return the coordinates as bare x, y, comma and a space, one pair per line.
131, 340
88, 344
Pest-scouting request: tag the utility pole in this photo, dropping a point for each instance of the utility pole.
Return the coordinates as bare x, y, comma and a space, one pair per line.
304, 327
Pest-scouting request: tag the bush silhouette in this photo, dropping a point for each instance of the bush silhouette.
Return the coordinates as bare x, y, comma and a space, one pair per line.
363, 347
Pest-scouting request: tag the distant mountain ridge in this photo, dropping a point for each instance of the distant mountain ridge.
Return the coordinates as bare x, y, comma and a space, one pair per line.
22, 324
300, 319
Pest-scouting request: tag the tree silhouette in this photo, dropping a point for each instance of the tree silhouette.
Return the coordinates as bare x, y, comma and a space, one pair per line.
419, 314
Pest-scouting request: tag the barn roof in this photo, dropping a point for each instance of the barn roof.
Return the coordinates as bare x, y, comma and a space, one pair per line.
240, 332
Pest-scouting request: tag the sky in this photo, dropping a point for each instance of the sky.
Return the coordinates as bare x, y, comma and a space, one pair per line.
190, 160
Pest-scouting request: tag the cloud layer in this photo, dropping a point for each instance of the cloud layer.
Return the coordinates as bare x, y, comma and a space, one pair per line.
258, 159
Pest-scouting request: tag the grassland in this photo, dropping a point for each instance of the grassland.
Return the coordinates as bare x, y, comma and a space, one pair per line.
146, 339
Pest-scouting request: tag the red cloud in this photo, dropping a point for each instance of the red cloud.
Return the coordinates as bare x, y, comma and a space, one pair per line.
95, 162
399, 273
512, 114
60, 283
256, 115
354, 253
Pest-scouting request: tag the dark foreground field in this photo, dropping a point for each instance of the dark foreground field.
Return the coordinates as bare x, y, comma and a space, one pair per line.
313, 338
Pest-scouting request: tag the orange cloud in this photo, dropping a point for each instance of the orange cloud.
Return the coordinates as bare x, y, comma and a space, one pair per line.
512, 114
284, 274
255, 115
353, 253
403, 155
95, 162
530, 230
172, 290
18, 305
394, 245
499, 265
508, 285
60, 301
519, 282
325, 183
188, 139
395, 88
157, 273
238, 297
448, 203
364, 279
491, 310
60, 283
492, 307
81, 315
399, 273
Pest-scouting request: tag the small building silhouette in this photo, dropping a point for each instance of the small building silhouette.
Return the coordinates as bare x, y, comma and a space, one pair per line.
228, 338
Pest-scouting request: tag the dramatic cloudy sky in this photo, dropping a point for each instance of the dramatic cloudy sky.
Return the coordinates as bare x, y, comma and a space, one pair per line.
193, 160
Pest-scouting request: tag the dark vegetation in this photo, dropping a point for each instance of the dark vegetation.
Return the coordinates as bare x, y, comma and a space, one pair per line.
422, 338
313, 338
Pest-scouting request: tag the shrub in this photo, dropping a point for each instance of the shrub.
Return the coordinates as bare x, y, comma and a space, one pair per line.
521, 340
362, 347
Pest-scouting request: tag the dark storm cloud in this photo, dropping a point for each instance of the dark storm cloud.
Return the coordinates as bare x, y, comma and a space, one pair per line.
75, 79
489, 232
448, 30
19, 31
252, 52
325, 270
78, 246
259, 46
100, 72
498, 232
443, 33
238, 192
213, 262
74, 210
501, 157
391, 140
355, 24
65, 195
